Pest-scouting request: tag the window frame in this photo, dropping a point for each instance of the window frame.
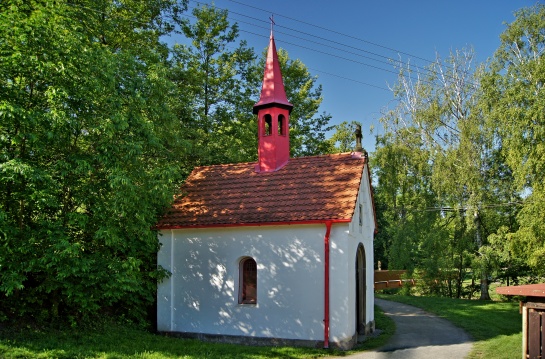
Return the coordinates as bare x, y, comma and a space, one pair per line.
247, 281
267, 125
281, 125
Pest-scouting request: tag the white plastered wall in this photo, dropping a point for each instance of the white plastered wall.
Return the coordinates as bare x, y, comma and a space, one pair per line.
201, 296
202, 293
344, 246
365, 235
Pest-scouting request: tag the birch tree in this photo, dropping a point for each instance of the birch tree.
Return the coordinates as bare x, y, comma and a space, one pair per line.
440, 106
513, 99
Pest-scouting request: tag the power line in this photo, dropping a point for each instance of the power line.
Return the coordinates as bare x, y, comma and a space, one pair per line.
335, 32
298, 45
462, 208
320, 51
382, 58
313, 69
350, 79
332, 55
327, 53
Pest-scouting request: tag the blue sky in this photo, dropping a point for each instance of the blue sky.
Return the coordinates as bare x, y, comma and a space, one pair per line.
345, 40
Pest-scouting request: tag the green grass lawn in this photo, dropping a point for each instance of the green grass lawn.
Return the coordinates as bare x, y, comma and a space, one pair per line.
115, 341
495, 326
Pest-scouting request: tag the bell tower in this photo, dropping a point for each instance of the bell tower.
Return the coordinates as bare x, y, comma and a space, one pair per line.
273, 111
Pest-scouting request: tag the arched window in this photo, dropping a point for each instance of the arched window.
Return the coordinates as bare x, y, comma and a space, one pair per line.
248, 281
281, 125
267, 125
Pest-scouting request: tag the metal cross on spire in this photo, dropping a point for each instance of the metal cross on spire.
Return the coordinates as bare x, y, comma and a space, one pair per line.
272, 22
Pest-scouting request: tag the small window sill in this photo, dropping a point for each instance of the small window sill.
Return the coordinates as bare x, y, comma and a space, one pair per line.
248, 305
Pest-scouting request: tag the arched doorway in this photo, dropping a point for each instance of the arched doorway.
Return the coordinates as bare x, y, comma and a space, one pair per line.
361, 287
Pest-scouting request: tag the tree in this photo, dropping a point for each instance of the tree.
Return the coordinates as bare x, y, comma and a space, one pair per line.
404, 192
308, 128
88, 155
344, 139
216, 79
224, 85
441, 107
513, 101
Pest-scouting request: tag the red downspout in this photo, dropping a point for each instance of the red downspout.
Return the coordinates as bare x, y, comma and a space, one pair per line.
326, 284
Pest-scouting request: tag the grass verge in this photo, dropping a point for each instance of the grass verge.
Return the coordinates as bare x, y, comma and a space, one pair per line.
116, 341
387, 328
495, 326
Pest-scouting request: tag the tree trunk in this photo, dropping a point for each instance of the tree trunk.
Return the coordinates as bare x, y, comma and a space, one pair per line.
460, 276
484, 273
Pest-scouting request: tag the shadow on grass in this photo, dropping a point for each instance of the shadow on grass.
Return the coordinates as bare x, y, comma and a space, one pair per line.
116, 341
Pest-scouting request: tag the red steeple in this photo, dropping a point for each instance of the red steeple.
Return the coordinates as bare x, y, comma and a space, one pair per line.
272, 91
273, 112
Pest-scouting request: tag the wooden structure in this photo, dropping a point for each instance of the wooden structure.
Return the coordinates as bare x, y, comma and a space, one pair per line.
533, 309
385, 279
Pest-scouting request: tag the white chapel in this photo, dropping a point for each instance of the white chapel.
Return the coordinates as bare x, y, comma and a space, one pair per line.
277, 252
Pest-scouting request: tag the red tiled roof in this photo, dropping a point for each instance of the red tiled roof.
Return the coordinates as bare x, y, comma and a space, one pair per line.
306, 189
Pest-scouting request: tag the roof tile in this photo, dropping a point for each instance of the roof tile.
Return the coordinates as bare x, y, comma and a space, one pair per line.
305, 189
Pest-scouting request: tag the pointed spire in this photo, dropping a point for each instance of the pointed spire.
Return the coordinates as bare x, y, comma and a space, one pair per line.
272, 92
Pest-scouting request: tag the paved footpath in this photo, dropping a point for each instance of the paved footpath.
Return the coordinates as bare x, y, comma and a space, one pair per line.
419, 335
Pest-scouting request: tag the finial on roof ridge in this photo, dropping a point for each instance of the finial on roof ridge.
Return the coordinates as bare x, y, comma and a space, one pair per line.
272, 25
359, 136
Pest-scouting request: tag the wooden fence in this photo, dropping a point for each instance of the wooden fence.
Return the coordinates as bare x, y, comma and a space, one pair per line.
532, 333
385, 279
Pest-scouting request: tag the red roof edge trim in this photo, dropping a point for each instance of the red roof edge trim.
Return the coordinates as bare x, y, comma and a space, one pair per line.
260, 224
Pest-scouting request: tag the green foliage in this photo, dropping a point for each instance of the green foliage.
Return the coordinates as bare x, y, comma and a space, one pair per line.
343, 139
218, 82
403, 192
98, 125
307, 127
467, 143
222, 85
446, 168
513, 101
87, 156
